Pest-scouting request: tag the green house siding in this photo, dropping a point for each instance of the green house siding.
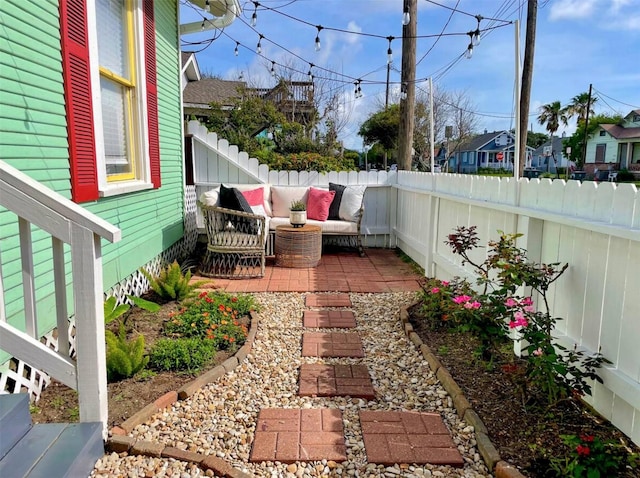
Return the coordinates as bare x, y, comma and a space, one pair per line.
33, 138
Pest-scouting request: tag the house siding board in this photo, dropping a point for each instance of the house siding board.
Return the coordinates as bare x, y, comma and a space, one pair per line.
38, 145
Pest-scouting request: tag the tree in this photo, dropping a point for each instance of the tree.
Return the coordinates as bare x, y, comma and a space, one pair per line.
578, 107
382, 128
551, 115
535, 140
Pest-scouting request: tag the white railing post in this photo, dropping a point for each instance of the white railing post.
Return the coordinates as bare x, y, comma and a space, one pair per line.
86, 262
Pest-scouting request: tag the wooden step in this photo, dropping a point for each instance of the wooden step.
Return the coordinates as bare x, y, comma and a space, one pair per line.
15, 420
68, 450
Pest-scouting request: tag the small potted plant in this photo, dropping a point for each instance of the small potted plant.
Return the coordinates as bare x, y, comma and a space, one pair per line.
298, 213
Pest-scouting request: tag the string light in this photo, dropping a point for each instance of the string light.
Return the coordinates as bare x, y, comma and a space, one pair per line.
202, 26
358, 90
476, 34
259, 45
241, 76
273, 68
389, 52
403, 91
207, 6
310, 75
254, 17
406, 18
235, 51
318, 46
469, 53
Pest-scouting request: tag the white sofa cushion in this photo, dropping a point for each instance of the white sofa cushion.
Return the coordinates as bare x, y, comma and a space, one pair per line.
328, 227
351, 202
283, 196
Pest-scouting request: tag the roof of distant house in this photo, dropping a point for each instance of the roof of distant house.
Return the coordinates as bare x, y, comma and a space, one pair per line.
212, 90
619, 132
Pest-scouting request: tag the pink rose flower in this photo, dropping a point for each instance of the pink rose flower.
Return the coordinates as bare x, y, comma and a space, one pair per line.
445, 283
461, 299
435, 290
510, 302
527, 301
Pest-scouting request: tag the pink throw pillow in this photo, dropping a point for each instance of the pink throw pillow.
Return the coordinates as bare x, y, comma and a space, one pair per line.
254, 197
318, 204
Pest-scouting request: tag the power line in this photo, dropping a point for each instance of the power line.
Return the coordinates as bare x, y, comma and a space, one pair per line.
613, 99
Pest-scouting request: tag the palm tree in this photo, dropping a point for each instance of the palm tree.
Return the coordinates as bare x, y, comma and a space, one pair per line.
578, 106
551, 115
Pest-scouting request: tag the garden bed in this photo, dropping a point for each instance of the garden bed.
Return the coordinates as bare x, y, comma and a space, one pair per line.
523, 433
59, 403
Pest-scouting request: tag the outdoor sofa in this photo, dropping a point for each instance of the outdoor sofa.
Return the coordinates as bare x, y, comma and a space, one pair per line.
240, 222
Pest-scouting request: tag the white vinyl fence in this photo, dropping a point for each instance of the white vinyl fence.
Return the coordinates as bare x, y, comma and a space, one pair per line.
593, 227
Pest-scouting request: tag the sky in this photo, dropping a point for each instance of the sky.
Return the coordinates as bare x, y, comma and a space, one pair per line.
578, 42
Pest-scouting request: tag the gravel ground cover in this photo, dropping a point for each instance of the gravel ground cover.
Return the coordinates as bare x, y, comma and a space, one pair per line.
220, 419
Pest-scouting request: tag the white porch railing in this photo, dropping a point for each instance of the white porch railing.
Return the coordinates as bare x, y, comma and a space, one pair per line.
70, 224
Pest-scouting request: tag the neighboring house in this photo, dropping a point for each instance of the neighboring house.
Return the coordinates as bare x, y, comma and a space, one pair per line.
94, 92
615, 147
543, 157
489, 150
292, 98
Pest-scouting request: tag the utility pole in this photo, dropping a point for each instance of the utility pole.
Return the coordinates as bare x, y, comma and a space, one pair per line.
527, 78
386, 105
408, 87
586, 128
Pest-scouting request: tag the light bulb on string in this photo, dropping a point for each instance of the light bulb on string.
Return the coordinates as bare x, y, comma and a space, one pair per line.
273, 69
259, 45
469, 53
389, 51
317, 41
309, 74
254, 17
476, 35
241, 76
406, 18
202, 26
235, 51
403, 91
207, 6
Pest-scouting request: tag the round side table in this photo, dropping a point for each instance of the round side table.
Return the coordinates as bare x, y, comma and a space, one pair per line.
298, 246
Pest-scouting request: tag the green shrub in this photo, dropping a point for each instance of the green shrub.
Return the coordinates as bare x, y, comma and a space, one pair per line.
171, 284
182, 354
624, 175
125, 357
214, 315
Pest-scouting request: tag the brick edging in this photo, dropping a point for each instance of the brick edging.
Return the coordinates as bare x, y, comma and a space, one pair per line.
487, 450
119, 441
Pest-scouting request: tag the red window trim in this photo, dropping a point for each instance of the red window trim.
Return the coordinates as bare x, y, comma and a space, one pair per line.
79, 104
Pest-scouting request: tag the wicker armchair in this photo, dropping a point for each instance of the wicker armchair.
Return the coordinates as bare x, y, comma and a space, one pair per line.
235, 243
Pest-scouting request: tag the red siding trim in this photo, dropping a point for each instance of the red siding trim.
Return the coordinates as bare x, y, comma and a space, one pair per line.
78, 103
152, 91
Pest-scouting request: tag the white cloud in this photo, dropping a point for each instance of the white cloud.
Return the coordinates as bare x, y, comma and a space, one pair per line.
572, 9
353, 27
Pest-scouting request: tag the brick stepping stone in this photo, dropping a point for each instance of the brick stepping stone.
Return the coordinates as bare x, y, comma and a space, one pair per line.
328, 300
408, 437
335, 380
290, 435
329, 319
332, 344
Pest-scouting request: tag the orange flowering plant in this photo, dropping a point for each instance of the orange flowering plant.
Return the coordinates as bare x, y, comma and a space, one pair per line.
215, 316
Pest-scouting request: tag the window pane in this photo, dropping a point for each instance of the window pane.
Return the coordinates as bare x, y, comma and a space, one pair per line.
114, 121
112, 36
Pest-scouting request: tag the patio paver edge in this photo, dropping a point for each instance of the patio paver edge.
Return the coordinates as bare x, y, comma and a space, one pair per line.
488, 451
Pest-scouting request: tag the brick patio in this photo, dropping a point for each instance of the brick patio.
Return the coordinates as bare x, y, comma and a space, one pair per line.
336, 380
332, 344
407, 437
328, 300
381, 270
290, 435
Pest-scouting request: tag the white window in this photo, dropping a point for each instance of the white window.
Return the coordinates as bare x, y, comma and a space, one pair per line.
123, 159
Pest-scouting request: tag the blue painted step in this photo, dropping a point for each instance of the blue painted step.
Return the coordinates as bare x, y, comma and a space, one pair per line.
45, 450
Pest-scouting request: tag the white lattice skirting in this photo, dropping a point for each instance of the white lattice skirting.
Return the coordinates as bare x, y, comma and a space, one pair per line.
17, 376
